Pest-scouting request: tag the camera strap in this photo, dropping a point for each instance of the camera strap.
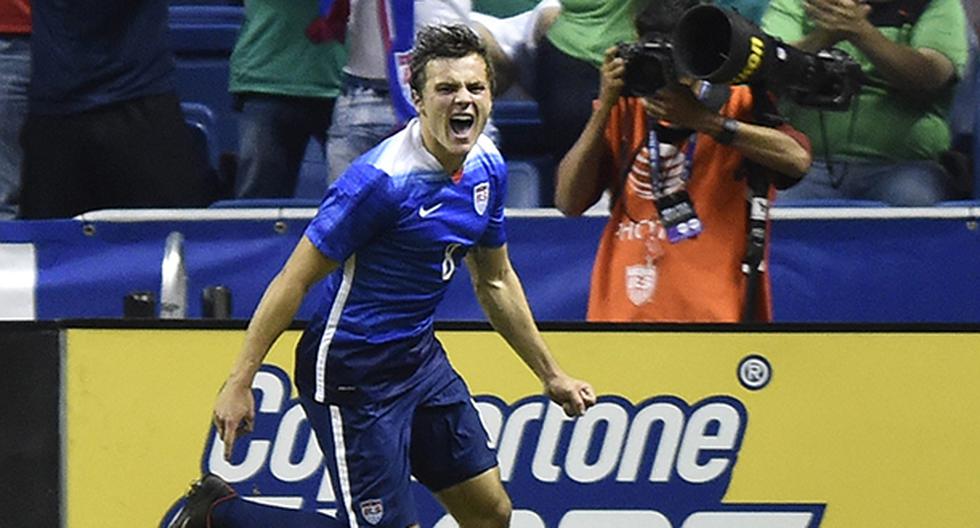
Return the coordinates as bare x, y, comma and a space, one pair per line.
675, 208
754, 264
674, 204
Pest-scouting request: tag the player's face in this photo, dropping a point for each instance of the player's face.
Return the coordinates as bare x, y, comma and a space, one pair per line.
453, 107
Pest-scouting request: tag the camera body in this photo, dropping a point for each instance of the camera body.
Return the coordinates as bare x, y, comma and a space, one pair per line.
649, 66
831, 81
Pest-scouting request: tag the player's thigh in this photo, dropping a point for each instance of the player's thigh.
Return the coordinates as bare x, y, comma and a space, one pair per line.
365, 449
479, 502
451, 456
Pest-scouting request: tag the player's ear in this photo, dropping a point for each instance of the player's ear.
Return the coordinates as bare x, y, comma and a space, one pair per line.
416, 99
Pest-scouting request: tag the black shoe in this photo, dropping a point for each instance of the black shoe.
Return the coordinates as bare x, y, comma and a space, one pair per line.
201, 498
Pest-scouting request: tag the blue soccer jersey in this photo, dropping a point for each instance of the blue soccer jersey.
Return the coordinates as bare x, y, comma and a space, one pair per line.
400, 226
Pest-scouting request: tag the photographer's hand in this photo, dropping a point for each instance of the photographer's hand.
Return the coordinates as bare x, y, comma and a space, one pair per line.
678, 106
846, 19
612, 78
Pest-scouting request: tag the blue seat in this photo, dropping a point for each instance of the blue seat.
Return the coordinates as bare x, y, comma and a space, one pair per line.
203, 37
521, 131
198, 28
200, 119
200, 123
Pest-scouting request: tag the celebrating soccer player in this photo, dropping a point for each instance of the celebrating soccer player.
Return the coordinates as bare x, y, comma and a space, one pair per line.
373, 379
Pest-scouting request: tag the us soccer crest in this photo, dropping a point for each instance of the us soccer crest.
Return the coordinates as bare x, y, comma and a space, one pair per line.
641, 280
372, 510
481, 197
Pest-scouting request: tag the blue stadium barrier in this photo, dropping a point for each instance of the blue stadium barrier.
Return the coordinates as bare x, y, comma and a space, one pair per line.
831, 264
266, 203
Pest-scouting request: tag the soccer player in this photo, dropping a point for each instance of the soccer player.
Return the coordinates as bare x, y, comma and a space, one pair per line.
373, 379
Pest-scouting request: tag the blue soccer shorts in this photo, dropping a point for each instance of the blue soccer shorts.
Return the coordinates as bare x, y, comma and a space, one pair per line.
372, 449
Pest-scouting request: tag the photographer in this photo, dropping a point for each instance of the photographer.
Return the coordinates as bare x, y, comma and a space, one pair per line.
888, 145
649, 265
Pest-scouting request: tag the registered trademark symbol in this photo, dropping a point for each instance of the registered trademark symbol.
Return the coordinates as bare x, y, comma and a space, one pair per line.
754, 372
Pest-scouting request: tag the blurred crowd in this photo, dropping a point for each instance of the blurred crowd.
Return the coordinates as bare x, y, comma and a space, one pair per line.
91, 119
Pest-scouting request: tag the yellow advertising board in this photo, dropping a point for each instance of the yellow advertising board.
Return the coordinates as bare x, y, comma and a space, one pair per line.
695, 430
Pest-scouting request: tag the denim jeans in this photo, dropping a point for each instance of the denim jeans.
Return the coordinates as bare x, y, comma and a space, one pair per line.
362, 118
910, 183
274, 132
15, 72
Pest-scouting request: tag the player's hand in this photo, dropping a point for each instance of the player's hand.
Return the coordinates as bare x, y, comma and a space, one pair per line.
574, 396
234, 414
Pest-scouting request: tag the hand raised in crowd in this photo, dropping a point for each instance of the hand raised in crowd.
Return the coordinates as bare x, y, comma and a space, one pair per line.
841, 18
613, 73
677, 105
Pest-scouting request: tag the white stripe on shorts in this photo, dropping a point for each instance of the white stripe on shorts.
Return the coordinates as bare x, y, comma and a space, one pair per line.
331, 328
340, 453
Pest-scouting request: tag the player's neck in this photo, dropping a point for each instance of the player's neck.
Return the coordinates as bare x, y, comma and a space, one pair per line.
450, 162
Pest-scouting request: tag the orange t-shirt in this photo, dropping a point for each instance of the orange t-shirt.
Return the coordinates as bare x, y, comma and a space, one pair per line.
15, 16
638, 274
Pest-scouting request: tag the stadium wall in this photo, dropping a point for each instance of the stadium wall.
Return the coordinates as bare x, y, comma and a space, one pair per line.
697, 427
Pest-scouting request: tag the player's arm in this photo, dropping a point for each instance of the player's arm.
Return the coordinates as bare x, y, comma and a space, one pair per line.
502, 297
234, 410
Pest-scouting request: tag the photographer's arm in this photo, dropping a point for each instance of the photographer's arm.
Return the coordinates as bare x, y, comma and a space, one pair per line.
770, 147
578, 179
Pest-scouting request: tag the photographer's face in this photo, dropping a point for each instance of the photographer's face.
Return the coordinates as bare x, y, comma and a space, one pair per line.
453, 107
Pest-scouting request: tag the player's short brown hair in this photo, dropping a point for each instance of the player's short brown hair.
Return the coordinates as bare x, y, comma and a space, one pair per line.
445, 41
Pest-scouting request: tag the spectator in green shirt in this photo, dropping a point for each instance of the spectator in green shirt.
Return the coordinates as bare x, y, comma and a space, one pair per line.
285, 86
886, 147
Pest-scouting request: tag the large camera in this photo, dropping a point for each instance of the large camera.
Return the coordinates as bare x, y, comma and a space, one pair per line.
649, 66
718, 45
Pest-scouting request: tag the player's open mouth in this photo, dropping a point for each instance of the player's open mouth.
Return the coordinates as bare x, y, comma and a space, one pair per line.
461, 124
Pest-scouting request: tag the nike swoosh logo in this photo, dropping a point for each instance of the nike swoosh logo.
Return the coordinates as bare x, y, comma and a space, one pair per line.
423, 212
